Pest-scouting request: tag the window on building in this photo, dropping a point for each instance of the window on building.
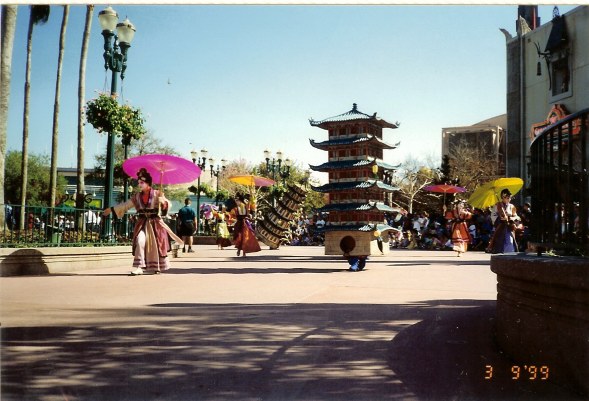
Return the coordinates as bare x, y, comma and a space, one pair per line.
561, 76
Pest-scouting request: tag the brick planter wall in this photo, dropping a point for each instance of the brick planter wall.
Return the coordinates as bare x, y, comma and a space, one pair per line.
543, 314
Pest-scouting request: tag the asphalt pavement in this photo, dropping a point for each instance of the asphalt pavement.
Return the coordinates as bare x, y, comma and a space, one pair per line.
286, 324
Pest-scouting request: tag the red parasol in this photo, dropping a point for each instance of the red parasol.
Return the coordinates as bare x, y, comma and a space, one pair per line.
164, 169
445, 189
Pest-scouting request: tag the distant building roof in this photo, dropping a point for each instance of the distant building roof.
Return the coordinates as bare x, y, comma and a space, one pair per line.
353, 115
500, 121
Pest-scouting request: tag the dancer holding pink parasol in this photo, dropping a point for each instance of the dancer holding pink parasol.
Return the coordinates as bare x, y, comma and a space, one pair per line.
150, 236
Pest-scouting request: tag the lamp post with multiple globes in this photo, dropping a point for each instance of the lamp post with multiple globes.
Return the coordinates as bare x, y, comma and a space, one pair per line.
215, 173
203, 165
116, 46
275, 165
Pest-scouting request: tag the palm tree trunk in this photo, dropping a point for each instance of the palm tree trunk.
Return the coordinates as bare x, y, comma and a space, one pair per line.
38, 14
81, 97
55, 132
25, 132
8, 18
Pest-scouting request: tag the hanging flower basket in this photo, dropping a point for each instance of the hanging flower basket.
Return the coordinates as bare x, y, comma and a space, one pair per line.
106, 115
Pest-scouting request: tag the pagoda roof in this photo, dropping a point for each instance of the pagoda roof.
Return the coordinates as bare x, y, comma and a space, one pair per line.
353, 115
357, 227
326, 145
346, 207
348, 164
343, 186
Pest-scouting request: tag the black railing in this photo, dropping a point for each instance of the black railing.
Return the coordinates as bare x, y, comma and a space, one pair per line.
61, 226
560, 186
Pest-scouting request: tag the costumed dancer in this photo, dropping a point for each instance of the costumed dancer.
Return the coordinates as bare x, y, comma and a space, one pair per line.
222, 230
505, 220
459, 231
150, 235
244, 237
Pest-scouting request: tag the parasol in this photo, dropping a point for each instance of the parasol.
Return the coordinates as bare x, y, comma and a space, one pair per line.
252, 180
164, 169
445, 189
488, 194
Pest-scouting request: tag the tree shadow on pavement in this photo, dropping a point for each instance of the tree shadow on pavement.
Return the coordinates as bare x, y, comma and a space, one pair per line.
183, 351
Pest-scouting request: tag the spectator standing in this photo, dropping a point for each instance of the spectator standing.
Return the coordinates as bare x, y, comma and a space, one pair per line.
526, 218
186, 224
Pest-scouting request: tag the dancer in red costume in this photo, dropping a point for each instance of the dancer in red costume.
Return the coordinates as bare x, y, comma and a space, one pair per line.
244, 237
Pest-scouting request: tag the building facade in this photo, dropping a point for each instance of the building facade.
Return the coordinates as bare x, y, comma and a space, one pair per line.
547, 79
487, 136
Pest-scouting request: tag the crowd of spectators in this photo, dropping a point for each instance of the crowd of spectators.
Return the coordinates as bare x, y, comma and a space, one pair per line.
412, 230
306, 230
433, 232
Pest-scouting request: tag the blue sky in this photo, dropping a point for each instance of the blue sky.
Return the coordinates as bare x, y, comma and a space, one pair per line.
239, 79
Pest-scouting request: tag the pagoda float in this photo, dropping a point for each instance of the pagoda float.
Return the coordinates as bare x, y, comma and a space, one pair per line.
359, 183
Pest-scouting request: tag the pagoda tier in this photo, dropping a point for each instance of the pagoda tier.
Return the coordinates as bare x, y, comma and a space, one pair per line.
351, 216
367, 228
354, 185
359, 180
354, 115
358, 206
353, 164
368, 140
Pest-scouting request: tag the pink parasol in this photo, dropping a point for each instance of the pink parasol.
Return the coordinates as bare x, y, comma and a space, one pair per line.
164, 169
445, 189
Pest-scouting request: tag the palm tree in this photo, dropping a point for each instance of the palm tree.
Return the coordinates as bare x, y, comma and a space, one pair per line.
55, 133
39, 15
81, 98
8, 19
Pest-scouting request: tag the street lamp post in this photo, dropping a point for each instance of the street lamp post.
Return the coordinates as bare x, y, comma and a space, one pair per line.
215, 173
275, 167
203, 165
116, 61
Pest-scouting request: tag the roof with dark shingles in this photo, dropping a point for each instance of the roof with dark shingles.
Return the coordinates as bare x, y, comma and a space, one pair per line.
342, 186
357, 227
353, 115
348, 164
325, 145
343, 207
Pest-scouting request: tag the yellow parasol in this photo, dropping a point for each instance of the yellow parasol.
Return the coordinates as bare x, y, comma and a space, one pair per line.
252, 180
488, 194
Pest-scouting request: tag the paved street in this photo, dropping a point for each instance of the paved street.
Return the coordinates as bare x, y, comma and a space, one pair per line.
288, 324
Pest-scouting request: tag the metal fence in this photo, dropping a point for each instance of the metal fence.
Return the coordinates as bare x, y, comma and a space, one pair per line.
62, 226
560, 186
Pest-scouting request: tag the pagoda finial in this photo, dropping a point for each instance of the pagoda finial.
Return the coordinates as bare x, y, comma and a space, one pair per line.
354, 107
